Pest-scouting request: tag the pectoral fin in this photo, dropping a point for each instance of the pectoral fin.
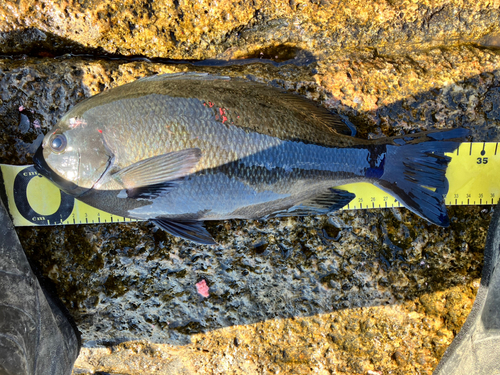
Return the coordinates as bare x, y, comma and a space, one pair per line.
191, 230
329, 201
151, 177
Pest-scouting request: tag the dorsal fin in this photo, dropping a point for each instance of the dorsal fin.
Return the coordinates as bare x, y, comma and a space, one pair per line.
250, 105
321, 115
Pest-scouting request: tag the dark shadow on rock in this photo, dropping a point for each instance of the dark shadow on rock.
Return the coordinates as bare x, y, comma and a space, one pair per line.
130, 281
35, 42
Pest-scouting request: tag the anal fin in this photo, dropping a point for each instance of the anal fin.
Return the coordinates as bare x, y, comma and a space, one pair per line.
321, 204
192, 230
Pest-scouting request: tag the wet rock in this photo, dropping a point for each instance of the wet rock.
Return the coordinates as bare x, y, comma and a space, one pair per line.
357, 292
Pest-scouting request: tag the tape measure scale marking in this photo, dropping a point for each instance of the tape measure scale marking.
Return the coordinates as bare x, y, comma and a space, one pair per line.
472, 177
473, 174
33, 201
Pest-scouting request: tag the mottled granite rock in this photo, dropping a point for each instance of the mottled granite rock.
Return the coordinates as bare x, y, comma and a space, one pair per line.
378, 290
183, 29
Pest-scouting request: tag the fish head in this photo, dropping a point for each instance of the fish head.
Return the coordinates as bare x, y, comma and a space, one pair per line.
73, 155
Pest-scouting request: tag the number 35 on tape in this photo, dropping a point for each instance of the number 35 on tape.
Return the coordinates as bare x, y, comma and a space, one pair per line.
33, 200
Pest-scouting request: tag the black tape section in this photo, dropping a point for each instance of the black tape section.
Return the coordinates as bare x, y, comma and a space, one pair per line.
21, 182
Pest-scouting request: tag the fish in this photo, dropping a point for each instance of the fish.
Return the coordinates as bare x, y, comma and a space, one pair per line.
182, 149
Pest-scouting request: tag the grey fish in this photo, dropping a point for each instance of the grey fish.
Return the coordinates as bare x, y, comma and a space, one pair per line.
185, 148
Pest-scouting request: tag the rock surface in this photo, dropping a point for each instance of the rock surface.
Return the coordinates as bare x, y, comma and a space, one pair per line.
377, 291
183, 29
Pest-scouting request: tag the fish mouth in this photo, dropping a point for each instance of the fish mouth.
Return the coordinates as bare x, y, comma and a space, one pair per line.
43, 168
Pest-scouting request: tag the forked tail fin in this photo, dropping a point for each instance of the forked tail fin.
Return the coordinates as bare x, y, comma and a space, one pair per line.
414, 172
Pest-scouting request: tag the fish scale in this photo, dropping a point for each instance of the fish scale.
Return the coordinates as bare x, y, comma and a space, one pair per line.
183, 149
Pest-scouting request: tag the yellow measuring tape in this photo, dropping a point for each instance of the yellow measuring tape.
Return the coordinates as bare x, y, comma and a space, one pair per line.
33, 200
473, 177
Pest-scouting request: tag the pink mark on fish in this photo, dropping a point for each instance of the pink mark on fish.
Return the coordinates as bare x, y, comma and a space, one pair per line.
202, 288
75, 122
36, 124
21, 108
222, 114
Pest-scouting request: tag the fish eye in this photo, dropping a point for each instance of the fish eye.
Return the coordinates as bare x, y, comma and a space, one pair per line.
57, 143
